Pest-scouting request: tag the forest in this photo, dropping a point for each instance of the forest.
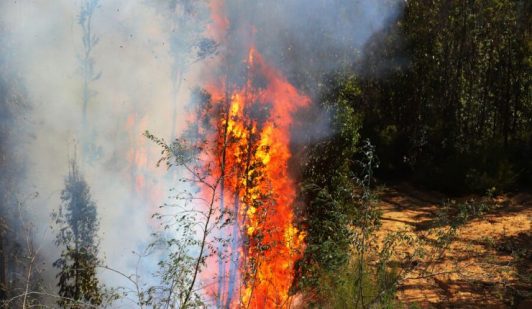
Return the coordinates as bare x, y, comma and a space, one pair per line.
266, 154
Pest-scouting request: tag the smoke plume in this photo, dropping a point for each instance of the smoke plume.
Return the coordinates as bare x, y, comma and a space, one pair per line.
151, 55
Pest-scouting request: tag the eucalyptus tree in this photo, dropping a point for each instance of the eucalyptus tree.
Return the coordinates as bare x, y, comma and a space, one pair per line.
186, 22
88, 71
77, 227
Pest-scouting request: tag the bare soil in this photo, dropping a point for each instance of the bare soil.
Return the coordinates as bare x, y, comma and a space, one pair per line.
487, 265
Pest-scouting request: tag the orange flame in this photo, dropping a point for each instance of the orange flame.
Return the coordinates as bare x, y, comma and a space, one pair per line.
253, 138
143, 175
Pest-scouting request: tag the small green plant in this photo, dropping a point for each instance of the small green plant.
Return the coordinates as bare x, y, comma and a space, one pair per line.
456, 214
368, 279
488, 242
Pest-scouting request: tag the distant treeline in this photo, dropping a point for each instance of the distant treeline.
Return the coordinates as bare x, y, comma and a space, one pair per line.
444, 93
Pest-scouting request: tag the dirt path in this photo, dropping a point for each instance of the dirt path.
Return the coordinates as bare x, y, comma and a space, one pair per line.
488, 264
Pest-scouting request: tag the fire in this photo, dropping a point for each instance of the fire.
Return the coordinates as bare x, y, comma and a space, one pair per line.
137, 155
252, 137
142, 174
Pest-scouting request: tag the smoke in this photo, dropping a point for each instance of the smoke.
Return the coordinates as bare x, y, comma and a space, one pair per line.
307, 39
137, 91
133, 94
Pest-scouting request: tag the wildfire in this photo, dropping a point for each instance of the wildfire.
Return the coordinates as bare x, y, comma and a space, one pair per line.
142, 174
252, 136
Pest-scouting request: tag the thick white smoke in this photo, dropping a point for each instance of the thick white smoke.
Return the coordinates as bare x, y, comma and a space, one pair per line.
133, 94
138, 61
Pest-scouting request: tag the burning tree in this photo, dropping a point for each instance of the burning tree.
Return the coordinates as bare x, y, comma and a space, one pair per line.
236, 151
253, 151
188, 225
77, 224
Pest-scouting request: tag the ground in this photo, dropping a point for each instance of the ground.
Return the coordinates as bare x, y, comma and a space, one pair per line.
488, 264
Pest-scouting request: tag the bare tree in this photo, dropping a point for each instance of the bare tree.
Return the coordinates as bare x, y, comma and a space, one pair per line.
189, 225
89, 40
26, 275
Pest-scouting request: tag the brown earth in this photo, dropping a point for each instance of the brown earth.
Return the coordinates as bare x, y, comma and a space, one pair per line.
488, 264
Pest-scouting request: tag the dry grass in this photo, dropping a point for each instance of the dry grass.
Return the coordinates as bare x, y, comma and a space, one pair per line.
488, 264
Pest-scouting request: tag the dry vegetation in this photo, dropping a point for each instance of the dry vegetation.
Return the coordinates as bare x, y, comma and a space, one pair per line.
488, 262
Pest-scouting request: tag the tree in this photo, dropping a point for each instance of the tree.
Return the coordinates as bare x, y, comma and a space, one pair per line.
90, 40
186, 21
445, 94
188, 227
229, 203
18, 256
197, 217
77, 225
326, 183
